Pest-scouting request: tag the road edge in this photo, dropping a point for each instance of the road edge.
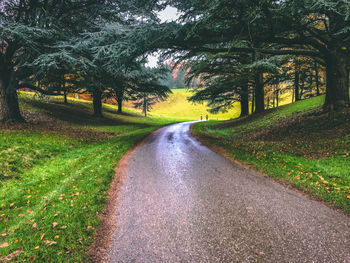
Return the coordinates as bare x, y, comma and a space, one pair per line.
103, 237
221, 151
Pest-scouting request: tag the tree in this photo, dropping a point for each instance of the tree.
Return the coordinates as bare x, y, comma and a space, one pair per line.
316, 29
148, 90
32, 29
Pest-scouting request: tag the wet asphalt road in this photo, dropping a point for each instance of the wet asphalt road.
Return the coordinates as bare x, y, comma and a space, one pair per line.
181, 202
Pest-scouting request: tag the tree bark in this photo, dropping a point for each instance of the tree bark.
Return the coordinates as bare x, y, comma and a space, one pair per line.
302, 86
296, 82
120, 99
337, 80
120, 106
145, 104
317, 80
253, 101
245, 101
97, 102
259, 93
9, 100
65, 97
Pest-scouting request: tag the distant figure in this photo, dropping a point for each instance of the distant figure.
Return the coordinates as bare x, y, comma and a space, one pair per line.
201, 117
207, 117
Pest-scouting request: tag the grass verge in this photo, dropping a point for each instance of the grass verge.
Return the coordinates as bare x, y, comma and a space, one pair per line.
297, 144
55, 173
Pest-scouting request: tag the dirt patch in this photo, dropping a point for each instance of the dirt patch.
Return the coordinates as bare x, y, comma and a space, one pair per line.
98, 252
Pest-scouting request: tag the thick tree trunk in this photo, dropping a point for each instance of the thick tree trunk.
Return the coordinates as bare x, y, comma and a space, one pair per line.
259, 93
97, 102
9, 101
337, 74
245, 101
120, 99
317, 80
120, 106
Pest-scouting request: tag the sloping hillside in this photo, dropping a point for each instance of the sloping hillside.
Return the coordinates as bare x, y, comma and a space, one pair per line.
55, 173
297, 144
178, 106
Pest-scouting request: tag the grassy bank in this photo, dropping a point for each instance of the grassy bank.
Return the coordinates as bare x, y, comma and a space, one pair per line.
55, 173
297, 144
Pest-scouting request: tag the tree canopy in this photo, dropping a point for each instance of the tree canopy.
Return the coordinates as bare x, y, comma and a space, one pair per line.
237, 48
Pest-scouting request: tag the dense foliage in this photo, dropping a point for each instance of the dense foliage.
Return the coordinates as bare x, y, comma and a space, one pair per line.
241, 50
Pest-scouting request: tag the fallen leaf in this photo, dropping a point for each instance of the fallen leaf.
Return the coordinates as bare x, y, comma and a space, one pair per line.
54, 224
21, 215
9, 257
34, 225
4, 245
42, 236
50, 243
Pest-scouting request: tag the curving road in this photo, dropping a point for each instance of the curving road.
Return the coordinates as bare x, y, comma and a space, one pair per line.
181, 202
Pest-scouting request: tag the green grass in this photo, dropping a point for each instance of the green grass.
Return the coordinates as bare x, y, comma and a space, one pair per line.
296, 144
177, 106
55, 174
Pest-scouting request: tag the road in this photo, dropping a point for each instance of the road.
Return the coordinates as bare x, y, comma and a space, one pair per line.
181, 202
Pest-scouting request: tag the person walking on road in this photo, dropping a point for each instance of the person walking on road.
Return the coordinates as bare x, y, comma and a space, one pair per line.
201, 117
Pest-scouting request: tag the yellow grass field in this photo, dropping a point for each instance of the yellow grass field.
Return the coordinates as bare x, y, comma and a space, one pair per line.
178, 106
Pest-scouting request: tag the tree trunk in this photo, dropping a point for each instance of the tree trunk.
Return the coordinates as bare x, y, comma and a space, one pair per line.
337, 74
65, 97
317, 79
9, 101
120, 106
145, 104
253, 101
296, 82
302, 87
245, 101
120, 99
277, 96
259, 93
97, 102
